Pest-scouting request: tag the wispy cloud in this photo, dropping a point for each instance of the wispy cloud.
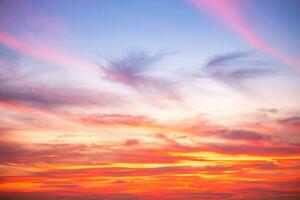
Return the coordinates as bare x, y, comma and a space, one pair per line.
36, 49
292, 122
17, 87
226, 59
116, 119
132, 69
243, 135
233, 68
53, 99
32, 31
231, 14
136, 71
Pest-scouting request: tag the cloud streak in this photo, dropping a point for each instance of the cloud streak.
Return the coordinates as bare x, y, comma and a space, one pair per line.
134, 70
229, 12
234, 68
18, 88
31, 31
37, 50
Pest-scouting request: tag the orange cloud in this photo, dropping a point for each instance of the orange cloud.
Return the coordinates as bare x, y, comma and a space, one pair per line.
99, 170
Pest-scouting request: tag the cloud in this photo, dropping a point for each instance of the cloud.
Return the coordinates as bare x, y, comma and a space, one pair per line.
32, 31
131, 69
16, 87
252, 149
244, 192
12, 152
37, 50
107, 171
117, 119
268, 110
226, 59
52, 98
70, 196
132, 142
243, 135
97, 169
234, 68
231, 14
295, 120
134, 70
291, 122
169, 141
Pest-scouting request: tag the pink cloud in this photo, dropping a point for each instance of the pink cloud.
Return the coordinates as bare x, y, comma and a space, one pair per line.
229, 13
41, 52
25, 28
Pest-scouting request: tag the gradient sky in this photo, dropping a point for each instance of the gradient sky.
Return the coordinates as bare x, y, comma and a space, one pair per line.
142, 99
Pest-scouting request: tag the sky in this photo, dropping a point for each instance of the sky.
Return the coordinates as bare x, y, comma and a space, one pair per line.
144, 100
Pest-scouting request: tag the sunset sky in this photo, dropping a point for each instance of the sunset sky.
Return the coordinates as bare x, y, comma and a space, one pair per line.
149, 99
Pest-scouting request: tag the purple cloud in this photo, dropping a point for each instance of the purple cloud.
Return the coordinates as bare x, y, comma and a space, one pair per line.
243, 135
233, 68
134, 70
16, 86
